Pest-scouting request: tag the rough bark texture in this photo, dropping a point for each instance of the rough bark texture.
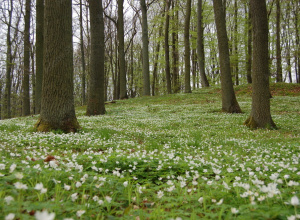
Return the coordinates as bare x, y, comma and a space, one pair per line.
57, 107
278, 44
200, 46
187, 51
229, 102
146, 76
96, 98
25, 83
235, 39
39, 53
260, 116
167, 51
83, 81
122, 68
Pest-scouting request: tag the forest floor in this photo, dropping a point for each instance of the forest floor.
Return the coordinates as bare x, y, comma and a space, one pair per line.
169, 157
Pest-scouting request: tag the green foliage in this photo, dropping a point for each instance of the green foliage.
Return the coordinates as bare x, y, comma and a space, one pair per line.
158, 158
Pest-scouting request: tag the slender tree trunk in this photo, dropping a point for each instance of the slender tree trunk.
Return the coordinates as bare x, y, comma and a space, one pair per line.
155, 68
167, 51
33, 78
236, 53
260, 116
96, 97
187, 51
278, 46
26, 78
229, 102
145, 39
297, 54
7, 91
175, 56
57, 107
200, 46
39, 52
120, 23
249, 46
83, 81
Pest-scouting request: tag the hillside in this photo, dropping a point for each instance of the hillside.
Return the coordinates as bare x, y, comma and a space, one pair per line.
168, 157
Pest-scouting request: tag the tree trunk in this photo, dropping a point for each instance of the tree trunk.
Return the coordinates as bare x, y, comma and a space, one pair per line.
146, 76
25, 84
96, 97
167, 51
260, 116
249, 46
229, 102
235, 38
83, 81
297, 54
187, 51
120, 23
278, 46
155, 68
39, 53
57, 107
200, 46
7, 91
175, 46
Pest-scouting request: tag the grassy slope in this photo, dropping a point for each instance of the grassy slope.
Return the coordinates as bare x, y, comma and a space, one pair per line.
169, 138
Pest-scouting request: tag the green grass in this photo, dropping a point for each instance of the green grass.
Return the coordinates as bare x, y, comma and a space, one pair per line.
168, 157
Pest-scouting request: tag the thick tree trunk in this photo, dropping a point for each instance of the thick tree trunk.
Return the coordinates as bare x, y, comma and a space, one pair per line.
57, 107
123, 90
229, 102
39, 53
200, 46
96, 97
25, 84
167, 51
187, 51
83, 80
146, 76
278, 44
260, 116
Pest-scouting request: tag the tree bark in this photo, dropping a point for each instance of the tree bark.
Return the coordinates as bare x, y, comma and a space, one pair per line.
235, 38
249, 46
187, 50
167, 51
200, 46
229, 102
155, 68
145, 39
57, 106
260, 116
175, 46
26, 77
96, 97
278, 44
7, 91
39, 52
120, 23
83, 78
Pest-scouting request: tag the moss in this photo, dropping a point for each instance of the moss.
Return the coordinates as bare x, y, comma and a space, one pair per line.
69, 125
252, 124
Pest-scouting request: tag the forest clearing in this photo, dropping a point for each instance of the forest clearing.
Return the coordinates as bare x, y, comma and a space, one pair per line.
170, 157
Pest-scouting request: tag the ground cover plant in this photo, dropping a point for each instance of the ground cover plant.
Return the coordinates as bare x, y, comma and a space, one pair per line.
171, 157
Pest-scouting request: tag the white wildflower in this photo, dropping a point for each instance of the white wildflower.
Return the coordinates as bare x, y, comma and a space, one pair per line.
160, 194
8, 199
234, 210
44, 215
295, 201
80, 213
10, 216
108, 199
